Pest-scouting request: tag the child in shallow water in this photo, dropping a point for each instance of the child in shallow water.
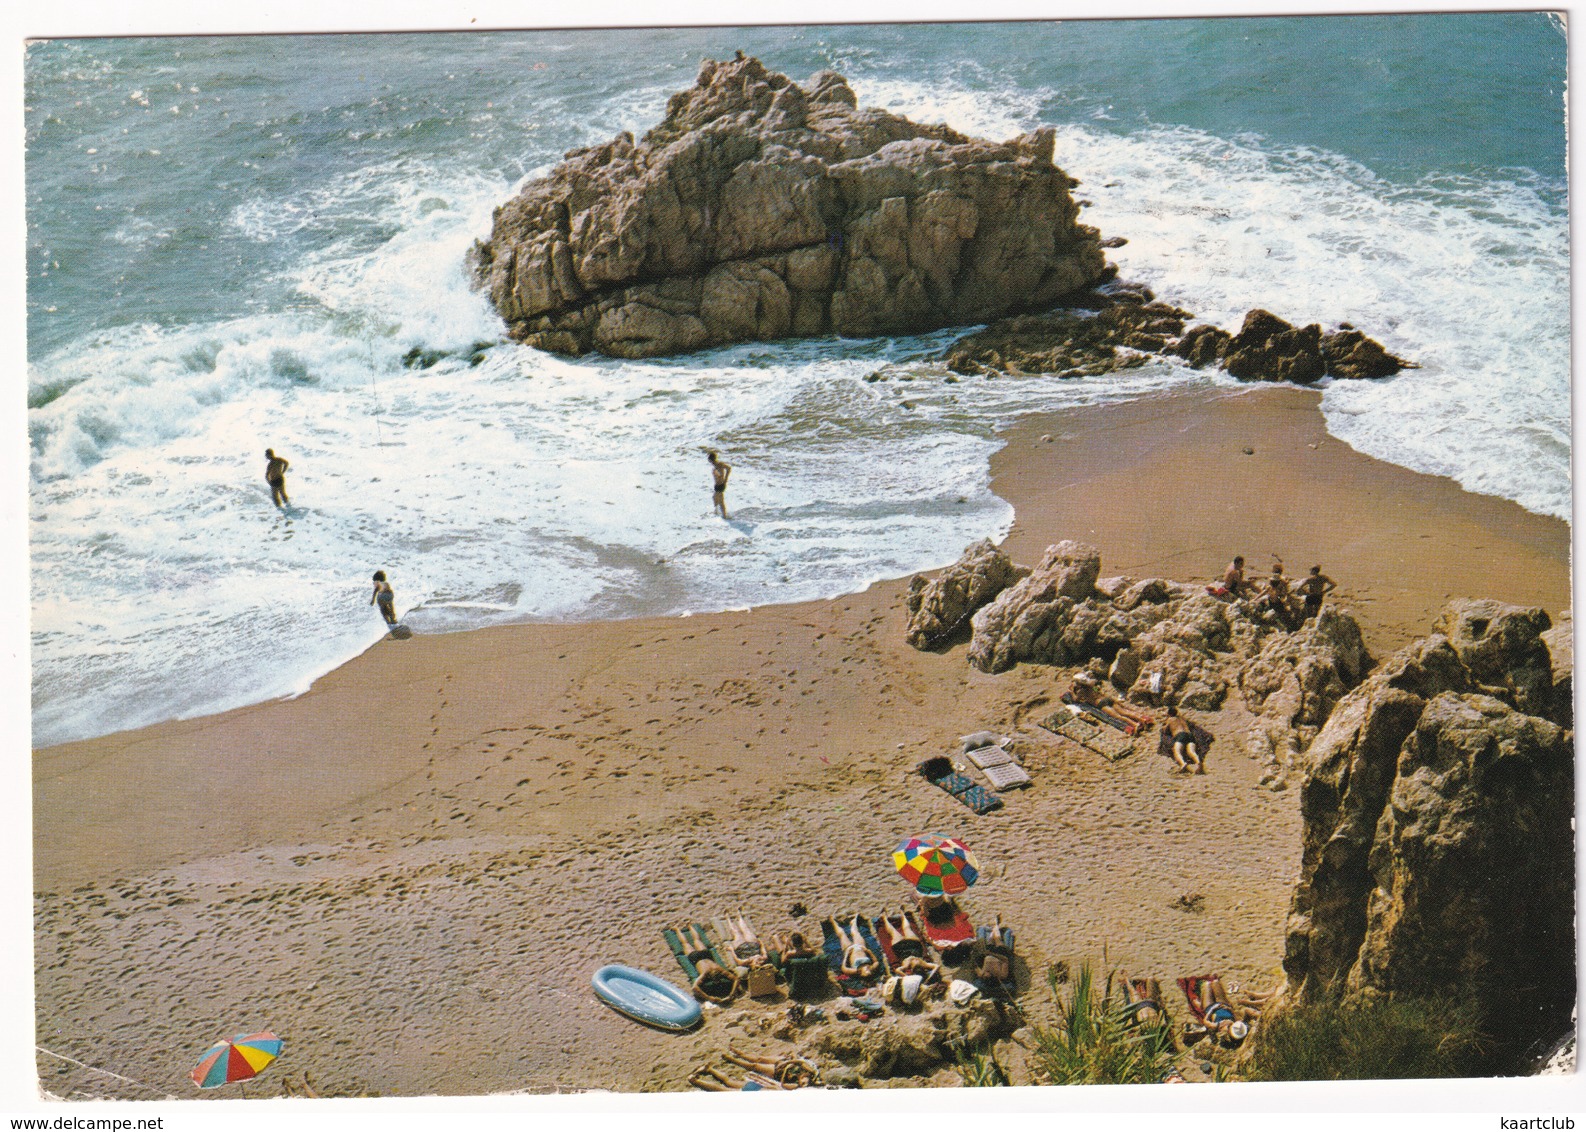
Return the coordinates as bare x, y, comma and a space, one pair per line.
385, 596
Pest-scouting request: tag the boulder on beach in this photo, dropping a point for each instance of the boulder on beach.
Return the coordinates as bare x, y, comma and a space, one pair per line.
759, 208
939, 607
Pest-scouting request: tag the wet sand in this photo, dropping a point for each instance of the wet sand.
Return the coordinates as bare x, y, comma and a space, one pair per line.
430, 852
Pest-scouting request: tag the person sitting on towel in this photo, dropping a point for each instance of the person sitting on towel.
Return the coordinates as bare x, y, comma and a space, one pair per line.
715, 983
859, 962
1085, 689
1234, 583
1185, 753
991, 956
792, 946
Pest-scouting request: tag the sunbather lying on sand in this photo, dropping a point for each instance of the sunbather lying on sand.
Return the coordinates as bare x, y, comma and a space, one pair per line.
788, 1070
1086, 689
746, 946
715, 1081
859, 962
900, 937
1143, 1002
1185, 752
715, 983
1225, 1016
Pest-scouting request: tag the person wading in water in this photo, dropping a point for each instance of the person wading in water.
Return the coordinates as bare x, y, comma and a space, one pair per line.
719, 471
275, 475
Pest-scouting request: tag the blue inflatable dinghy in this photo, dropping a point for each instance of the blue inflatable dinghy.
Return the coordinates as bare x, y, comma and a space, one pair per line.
645, 997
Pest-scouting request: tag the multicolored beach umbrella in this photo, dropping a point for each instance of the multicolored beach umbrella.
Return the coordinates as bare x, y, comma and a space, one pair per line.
237, 1060
936, 865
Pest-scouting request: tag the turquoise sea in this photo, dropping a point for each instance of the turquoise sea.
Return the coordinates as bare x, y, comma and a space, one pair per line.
235, 242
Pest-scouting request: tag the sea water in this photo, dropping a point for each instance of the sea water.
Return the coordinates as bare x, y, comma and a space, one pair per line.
247, 242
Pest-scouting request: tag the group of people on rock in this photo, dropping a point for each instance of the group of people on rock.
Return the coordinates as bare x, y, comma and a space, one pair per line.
1276, 596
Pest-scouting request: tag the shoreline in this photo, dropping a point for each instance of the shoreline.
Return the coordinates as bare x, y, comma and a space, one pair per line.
1087, 425
447, 835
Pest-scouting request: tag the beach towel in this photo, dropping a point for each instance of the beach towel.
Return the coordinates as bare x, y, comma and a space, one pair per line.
950, 932
852, 984
1001, 769
1201, 736
984, 757
1191, 986
1008, 776
885, 939
939, 772
1097, 714
1088, 734
680, 953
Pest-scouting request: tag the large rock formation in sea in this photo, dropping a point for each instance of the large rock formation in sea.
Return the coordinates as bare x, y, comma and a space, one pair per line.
1438, 847
760, 208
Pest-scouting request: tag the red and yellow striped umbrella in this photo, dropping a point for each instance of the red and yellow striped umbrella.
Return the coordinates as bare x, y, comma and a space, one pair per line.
936, 865
236, 1060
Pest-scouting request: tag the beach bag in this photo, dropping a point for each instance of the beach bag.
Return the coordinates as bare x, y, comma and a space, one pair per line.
761, 982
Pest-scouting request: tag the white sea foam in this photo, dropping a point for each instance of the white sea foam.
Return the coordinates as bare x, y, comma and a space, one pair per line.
509, 484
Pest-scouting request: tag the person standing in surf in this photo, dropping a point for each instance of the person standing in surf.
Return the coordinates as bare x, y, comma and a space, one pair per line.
275, 475
719, 471
385, 596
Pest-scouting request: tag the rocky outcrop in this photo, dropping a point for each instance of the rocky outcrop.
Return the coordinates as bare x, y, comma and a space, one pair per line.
1560, 641
760, 208
1028, 621
1130, 327
938, 608
1438, 853
1501, 646
1160, 640
1293, 684
1123, 334
910, 1045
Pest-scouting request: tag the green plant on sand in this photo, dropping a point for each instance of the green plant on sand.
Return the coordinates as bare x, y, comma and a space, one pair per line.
978, 1067
1378, 1038
1096, 1042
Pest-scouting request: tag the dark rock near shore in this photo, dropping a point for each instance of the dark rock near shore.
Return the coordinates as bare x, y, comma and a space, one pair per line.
1121, 335
760, 208
1125, 327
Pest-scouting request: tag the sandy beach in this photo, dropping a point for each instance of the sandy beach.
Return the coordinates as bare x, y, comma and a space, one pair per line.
430, 852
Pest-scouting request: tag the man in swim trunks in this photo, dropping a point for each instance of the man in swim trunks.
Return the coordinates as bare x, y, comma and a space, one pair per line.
1184, 752
719, 471
275, 475
1313, 589
1234, 577
715, 983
